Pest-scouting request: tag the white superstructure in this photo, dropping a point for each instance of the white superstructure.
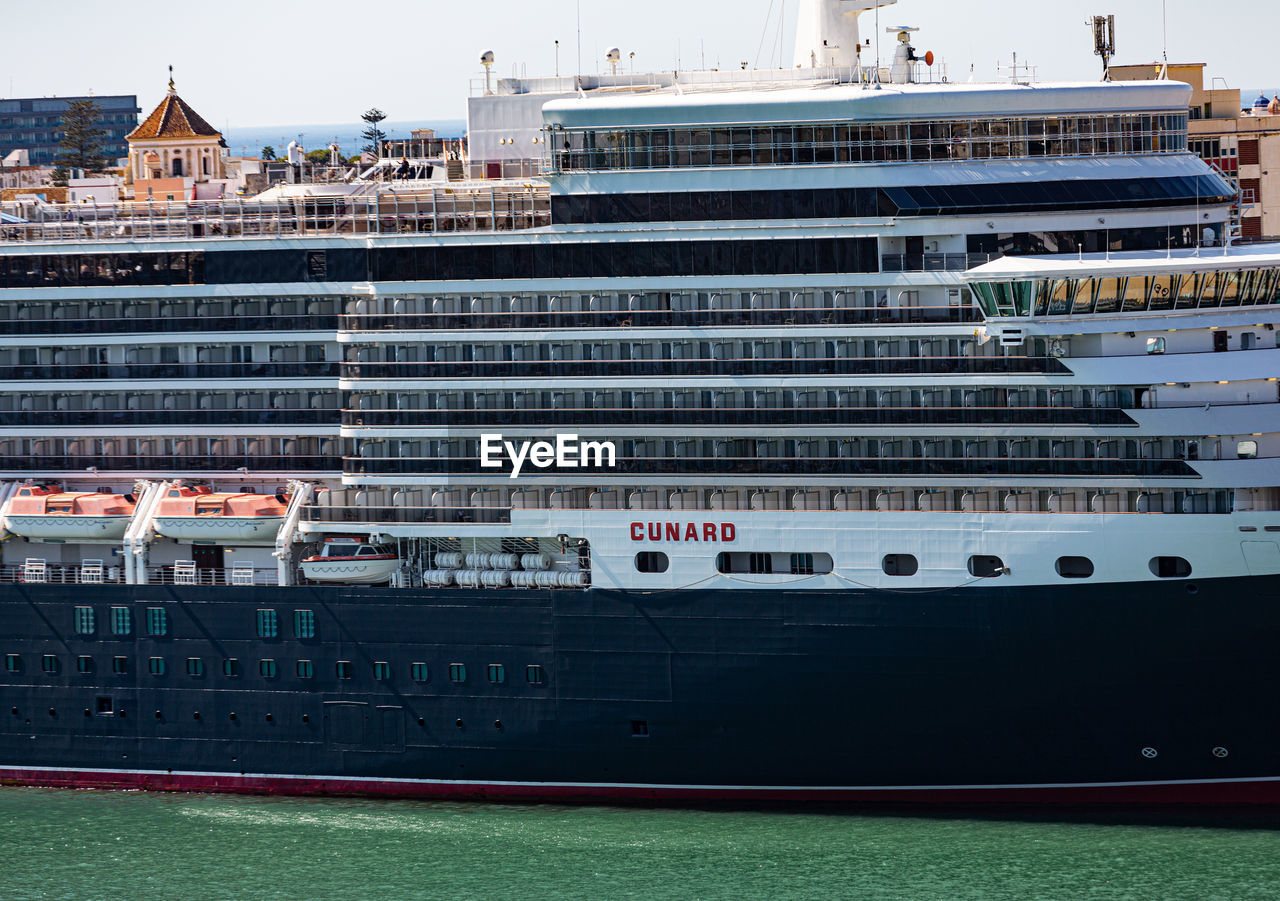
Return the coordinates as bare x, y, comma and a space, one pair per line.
836, 327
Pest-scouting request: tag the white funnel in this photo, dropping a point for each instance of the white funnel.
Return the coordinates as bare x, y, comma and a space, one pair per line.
827, 31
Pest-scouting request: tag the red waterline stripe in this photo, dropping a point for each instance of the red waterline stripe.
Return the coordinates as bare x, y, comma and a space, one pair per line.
1260, 792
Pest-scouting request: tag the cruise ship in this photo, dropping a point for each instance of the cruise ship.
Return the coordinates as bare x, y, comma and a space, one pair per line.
834, 433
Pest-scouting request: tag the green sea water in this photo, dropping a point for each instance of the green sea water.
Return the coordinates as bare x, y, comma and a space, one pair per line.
81, 845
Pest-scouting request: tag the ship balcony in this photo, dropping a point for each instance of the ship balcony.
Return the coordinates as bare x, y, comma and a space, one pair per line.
32, 419
604, 417
810, 467
935, 262
321, 513
168, 324
28, 464
167, 371
788, 366
459, 207
637, 319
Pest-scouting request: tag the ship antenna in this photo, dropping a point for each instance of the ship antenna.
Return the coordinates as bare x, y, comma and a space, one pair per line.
579, 38
1165, 38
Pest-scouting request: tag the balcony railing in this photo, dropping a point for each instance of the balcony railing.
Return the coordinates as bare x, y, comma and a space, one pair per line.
136, 418
662, 319
73, 574
457, 207
459, 515
147, 371
167, 463
882, 467
541, 369
934, 262
155, 324
755, 416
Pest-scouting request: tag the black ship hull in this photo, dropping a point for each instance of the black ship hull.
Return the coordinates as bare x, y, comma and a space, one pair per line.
1159, 692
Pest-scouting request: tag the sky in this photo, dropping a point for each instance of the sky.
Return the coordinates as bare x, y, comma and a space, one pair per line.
247, 63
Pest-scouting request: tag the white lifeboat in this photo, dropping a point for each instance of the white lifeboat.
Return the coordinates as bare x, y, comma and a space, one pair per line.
352, 561
197, 514
48, 513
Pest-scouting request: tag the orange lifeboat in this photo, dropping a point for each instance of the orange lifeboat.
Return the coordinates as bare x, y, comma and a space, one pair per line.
49, 513
197, 514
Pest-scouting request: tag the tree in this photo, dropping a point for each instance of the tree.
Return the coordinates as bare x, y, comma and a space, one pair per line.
372, 133
81, 144
268, 153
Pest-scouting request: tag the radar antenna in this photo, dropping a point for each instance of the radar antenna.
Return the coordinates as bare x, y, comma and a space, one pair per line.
1104, 41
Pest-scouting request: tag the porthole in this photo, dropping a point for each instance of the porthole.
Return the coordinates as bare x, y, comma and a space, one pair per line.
1170, 568
1074, 567
986, 567
900, 565
652, 562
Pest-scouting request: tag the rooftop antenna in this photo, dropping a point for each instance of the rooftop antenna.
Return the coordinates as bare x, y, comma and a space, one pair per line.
1104, 41
1164, 38
557, 59
579, 37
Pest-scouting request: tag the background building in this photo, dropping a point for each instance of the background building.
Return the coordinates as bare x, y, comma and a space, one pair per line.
35, 125
1243, 142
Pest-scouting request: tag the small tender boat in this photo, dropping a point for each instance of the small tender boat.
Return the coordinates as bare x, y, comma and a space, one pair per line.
49, 513
352, 561
197, 514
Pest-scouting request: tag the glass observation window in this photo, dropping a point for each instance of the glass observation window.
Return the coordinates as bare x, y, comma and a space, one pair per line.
1103, 295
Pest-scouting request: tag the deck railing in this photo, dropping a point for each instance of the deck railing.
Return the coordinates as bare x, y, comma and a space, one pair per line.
113, 574
457, 207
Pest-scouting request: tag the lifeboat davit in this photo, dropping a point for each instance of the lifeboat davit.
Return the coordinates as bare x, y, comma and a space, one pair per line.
53, 514
197, 514
352, 561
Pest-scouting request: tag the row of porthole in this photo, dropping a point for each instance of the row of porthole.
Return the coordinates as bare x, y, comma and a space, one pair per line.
105, 708
905, 565
269, 669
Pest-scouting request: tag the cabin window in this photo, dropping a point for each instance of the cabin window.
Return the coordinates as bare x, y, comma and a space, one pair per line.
231, 667
457, 672
304, 623
121, 621
306, 669
639, 728
534, 674
900, 565
12, 663
1170, 568
157, 621
1155, 346
268, 669
155, 666
1247, 450
652, 562
1074, 567
268, 624
120, 665
343, 669
497, 673
420, 672
382, 671
84, 621
84, 665
49, 663
984, 567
